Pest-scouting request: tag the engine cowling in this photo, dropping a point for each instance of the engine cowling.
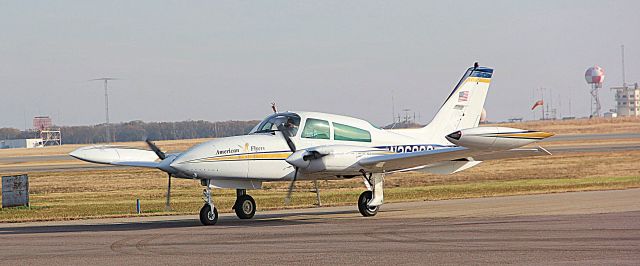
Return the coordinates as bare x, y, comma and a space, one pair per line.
334, 158
495, 138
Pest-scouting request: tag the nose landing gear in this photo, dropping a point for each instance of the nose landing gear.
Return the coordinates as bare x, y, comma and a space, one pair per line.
245, 206
208, 212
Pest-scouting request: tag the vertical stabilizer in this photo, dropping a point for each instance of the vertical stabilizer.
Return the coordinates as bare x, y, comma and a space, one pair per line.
463, 108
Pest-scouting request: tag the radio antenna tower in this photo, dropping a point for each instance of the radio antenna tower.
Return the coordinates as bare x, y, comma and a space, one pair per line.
106, 104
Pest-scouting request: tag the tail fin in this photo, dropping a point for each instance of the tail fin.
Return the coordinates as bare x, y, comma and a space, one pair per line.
463, 107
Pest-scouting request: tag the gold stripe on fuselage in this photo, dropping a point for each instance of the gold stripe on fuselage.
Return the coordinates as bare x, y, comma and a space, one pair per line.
250, 156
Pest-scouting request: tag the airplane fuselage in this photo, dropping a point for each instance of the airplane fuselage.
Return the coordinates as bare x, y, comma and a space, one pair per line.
262, 155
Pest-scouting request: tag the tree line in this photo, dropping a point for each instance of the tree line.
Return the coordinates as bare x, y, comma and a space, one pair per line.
139, 130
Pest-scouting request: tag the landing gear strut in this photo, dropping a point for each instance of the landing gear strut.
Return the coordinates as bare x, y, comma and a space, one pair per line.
245, 206
208, 213
370, 200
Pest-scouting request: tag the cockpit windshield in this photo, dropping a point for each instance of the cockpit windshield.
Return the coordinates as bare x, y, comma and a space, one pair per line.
285, 121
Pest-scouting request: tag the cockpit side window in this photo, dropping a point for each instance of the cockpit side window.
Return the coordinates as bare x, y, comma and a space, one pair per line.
316, 129
349, 133
288, 121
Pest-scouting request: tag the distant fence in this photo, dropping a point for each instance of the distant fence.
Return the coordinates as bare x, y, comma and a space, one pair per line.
15, 191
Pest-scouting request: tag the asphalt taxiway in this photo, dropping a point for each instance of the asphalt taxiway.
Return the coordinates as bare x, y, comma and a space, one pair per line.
599, 227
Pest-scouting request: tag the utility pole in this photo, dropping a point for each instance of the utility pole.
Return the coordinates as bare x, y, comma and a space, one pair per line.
106, 104
624, 80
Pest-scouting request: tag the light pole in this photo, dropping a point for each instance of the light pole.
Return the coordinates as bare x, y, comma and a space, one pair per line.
106, 104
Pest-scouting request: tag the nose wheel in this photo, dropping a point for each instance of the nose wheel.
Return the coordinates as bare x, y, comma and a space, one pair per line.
245, 206
208, 216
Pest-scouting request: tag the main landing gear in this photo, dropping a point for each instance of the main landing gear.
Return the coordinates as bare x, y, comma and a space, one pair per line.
370, 200
245, 206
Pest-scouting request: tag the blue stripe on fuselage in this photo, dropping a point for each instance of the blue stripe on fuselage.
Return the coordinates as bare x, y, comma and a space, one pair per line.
413, 147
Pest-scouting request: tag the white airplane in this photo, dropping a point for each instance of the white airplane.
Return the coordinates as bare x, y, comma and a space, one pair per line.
290, 146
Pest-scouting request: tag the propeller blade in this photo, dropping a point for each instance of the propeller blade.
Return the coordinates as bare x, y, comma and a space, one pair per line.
155, 149
287, 138
287, 200
167, 206
292, 147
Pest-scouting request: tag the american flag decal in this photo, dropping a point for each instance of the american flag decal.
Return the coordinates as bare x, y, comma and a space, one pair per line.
463, 96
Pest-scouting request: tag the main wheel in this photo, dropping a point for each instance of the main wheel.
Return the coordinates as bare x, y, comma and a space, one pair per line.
364, 209
207, 216
245, 207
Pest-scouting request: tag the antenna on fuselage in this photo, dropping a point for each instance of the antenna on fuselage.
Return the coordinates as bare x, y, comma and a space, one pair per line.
273, 107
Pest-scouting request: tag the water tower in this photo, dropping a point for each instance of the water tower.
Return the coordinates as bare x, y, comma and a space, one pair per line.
595, 77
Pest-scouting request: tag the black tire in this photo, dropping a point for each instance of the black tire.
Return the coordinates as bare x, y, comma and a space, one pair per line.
207, 217
364, 209
245, 207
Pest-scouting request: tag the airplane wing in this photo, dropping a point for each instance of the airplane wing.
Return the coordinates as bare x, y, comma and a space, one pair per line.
398, 161
513, 153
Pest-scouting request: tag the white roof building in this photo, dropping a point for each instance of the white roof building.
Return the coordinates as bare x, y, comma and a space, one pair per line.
627, 100
20, 143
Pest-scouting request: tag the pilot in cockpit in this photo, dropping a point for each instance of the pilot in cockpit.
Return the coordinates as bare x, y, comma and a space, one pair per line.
291, 126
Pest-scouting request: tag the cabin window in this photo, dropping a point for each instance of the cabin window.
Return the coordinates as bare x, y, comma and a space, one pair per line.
349, 133
316, 129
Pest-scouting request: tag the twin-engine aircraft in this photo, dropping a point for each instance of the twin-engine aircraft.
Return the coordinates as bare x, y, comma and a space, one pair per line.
290, 146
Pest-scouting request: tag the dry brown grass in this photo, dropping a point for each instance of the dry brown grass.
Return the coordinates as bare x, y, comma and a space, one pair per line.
581, 126
112, 193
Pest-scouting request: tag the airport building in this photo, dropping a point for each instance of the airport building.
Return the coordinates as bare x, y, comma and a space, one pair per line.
627, 100
21, 143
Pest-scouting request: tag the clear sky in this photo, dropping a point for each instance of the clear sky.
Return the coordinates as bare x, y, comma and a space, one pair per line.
222, 60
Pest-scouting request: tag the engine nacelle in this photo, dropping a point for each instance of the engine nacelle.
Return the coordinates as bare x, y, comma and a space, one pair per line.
338, 159
495, 138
